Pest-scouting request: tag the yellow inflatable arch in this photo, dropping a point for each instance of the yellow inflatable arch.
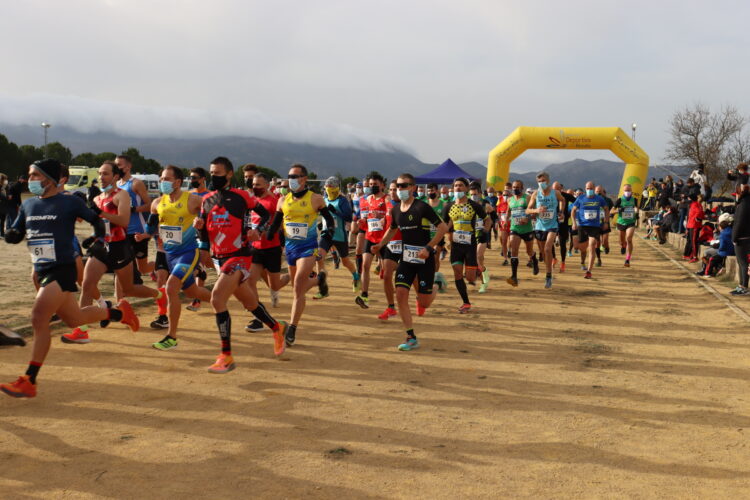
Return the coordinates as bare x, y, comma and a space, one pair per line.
573, 138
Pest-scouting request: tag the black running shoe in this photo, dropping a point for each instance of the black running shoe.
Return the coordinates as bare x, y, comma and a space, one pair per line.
336, 260
623, 250
535, 264
323, 284
160, 323
291, 333
255, 325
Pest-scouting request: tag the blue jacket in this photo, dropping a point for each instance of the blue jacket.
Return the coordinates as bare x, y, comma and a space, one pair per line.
726, 247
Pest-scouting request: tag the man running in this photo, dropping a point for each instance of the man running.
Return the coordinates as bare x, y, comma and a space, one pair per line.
627, 218
377, 207
437, 203
392, 254
47, 221
140, 206
112, 205
172, 217
586, 219
604, 238
503, 224
198, 176
223, 226
564, 225
483, 232
298, 211
521, 228
413, 218
549, 206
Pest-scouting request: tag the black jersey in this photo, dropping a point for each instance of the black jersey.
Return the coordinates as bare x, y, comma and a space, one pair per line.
415, 222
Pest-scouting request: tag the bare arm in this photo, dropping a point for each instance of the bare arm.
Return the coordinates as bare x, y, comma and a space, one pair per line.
122, 217
140, 189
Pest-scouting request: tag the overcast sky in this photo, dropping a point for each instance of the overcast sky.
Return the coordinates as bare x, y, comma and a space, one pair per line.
445, 79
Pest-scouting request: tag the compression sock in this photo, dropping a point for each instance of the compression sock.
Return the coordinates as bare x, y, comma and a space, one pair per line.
359, 263
410, 333
33, 370
461, 287
261, 313
114, 315
598, 253
514, 266
363, 294
224, 323
554, 253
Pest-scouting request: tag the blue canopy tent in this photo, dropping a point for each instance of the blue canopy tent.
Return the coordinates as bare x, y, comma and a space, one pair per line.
444, 174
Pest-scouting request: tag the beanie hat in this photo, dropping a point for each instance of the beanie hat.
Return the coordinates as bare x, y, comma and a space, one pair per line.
50, 168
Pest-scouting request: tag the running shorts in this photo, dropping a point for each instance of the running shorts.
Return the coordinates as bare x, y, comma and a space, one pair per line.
268, 258
425, 274
64, 274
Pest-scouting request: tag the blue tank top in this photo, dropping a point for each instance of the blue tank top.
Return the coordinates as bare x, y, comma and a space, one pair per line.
547, 220
137, 222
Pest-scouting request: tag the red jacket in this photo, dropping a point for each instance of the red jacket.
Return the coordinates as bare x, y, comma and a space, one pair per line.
695, 216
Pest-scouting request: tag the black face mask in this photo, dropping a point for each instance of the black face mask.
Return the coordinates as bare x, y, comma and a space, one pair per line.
375, 189
517, 192
259, 192
195, 184
218, 182
432, 196
249, 182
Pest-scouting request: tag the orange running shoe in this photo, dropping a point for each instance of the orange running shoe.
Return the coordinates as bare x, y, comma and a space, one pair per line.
223, 364
420, 310
554, 263
161, 304
388, 313
279, 346
464, 308
562, 267
128, 315
77, 336
21, 388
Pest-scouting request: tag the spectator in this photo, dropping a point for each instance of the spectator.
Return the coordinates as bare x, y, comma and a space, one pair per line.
3, 202
741, 238
682, 211
739, 175
14, 200
652, 194
714, 257
665, 195
691, 188
693, 225
664, 226
678, 187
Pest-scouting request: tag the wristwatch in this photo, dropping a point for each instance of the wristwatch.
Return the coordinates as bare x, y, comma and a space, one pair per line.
430, 249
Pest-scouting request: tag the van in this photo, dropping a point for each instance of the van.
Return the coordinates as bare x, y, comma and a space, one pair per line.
80, 178
152, 183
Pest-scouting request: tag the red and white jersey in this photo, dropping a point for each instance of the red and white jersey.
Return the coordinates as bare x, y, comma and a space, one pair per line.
224, 213
377, 209
105, 202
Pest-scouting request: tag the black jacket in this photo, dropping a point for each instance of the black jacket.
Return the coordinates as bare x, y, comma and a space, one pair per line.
741, 225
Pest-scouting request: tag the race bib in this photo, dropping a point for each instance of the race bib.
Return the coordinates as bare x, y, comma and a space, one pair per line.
171, 235
590, 214
296, 230
504, 217
395, 246
411, 254
374, 225
628, 212
42, 251
547, 215
517, 214
462, 237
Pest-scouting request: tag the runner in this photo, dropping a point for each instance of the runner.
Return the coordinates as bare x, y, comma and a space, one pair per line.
298, 211
437, 203
377, 207
521, 228
564, 233
140, 205
413, 218
588, 222
362, 230
172, 218
198, 177
222, 224
503, 224
48, 220
248, 174
392, 254
549, 207
483, 232
462, 217
627, 219
604, 238
112, 205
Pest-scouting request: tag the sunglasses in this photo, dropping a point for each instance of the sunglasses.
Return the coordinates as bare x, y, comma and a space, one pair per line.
403, 185
295, 176
194, 178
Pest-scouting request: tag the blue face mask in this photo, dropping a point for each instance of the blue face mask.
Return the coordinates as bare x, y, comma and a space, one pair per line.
166, 187
403, 194
542, 185
294, 185
107, 189
367, 190
459, 194
590, 193
36, 188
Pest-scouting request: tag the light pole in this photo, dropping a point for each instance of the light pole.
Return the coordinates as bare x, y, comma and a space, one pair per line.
45, 126
633, 128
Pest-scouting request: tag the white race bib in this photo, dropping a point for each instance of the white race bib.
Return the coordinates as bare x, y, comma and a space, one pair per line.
171, 235
546, 215
518, 214
628, 212
462, 237
374, 225
395, 246
296, 230
42, 251
504, 217
590, 214
411, 254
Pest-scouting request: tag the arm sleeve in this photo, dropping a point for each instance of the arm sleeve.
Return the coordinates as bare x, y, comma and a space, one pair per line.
276, 224
326, 214
346, 211
263, 213
617, 203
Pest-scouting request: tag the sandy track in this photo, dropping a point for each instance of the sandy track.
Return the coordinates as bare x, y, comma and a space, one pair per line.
633, 384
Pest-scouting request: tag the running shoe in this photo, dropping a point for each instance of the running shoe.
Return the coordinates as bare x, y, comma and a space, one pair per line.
274, 298
319, 296
529, 264
443, 254
512, 281
583, 268
623, 250
128, 315
486, 276
165, 344
420, 310
442, 283
554, 263
409, 344
290, 335
693, 260
323, 284
161, 304
739, 291
388, 313
535, 265
336, 260
562, 267
255, 325
21, 388
465, 308
160, 323
505, 262
152, 274
606, 250
355, 284
587, 275
570, 254
627, 263
223, 364
278, 338
376, 270
548, 282
598, 262
194, 306
483, 288
77, 336
362, 301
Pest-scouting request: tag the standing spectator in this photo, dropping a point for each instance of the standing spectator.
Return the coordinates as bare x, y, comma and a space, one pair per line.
699, 176
14, 200
693, 225
652, 194
682, 212
741, 237
678, 187
692, 188
739, 175
93, 191
3, 202
664, 196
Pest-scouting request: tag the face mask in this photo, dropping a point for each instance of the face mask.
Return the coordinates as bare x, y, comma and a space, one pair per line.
476, 197
367, 191
166, 187
284, 191
332, 193
249, 182
107, 189
517, 191
444, 196
294, 185
194, 184
375, 189
506, 193
218, 181
627, 194
420, 193
590, 193
36, 188
459, 194
259, 192
403, 194
432, 196
542, 185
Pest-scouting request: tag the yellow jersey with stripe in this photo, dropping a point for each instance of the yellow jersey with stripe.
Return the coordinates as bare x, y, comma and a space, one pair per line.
300, 218
176, 229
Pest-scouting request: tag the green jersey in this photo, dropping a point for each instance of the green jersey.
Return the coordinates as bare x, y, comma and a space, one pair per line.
517, 213
626, 210
439, 211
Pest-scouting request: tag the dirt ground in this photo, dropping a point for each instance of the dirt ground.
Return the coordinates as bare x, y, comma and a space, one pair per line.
630, 385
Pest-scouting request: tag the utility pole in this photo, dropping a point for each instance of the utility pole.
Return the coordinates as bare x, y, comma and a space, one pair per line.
45, 126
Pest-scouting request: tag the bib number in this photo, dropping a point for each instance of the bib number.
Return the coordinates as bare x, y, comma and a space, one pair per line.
590, 214
517, 214
42, 251
504, 217
462, 237
628, 213
171, 235
296, 230
411, 254
396, 246
374, 225
547, 215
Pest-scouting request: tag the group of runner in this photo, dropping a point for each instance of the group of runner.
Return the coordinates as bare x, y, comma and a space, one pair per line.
202, 222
